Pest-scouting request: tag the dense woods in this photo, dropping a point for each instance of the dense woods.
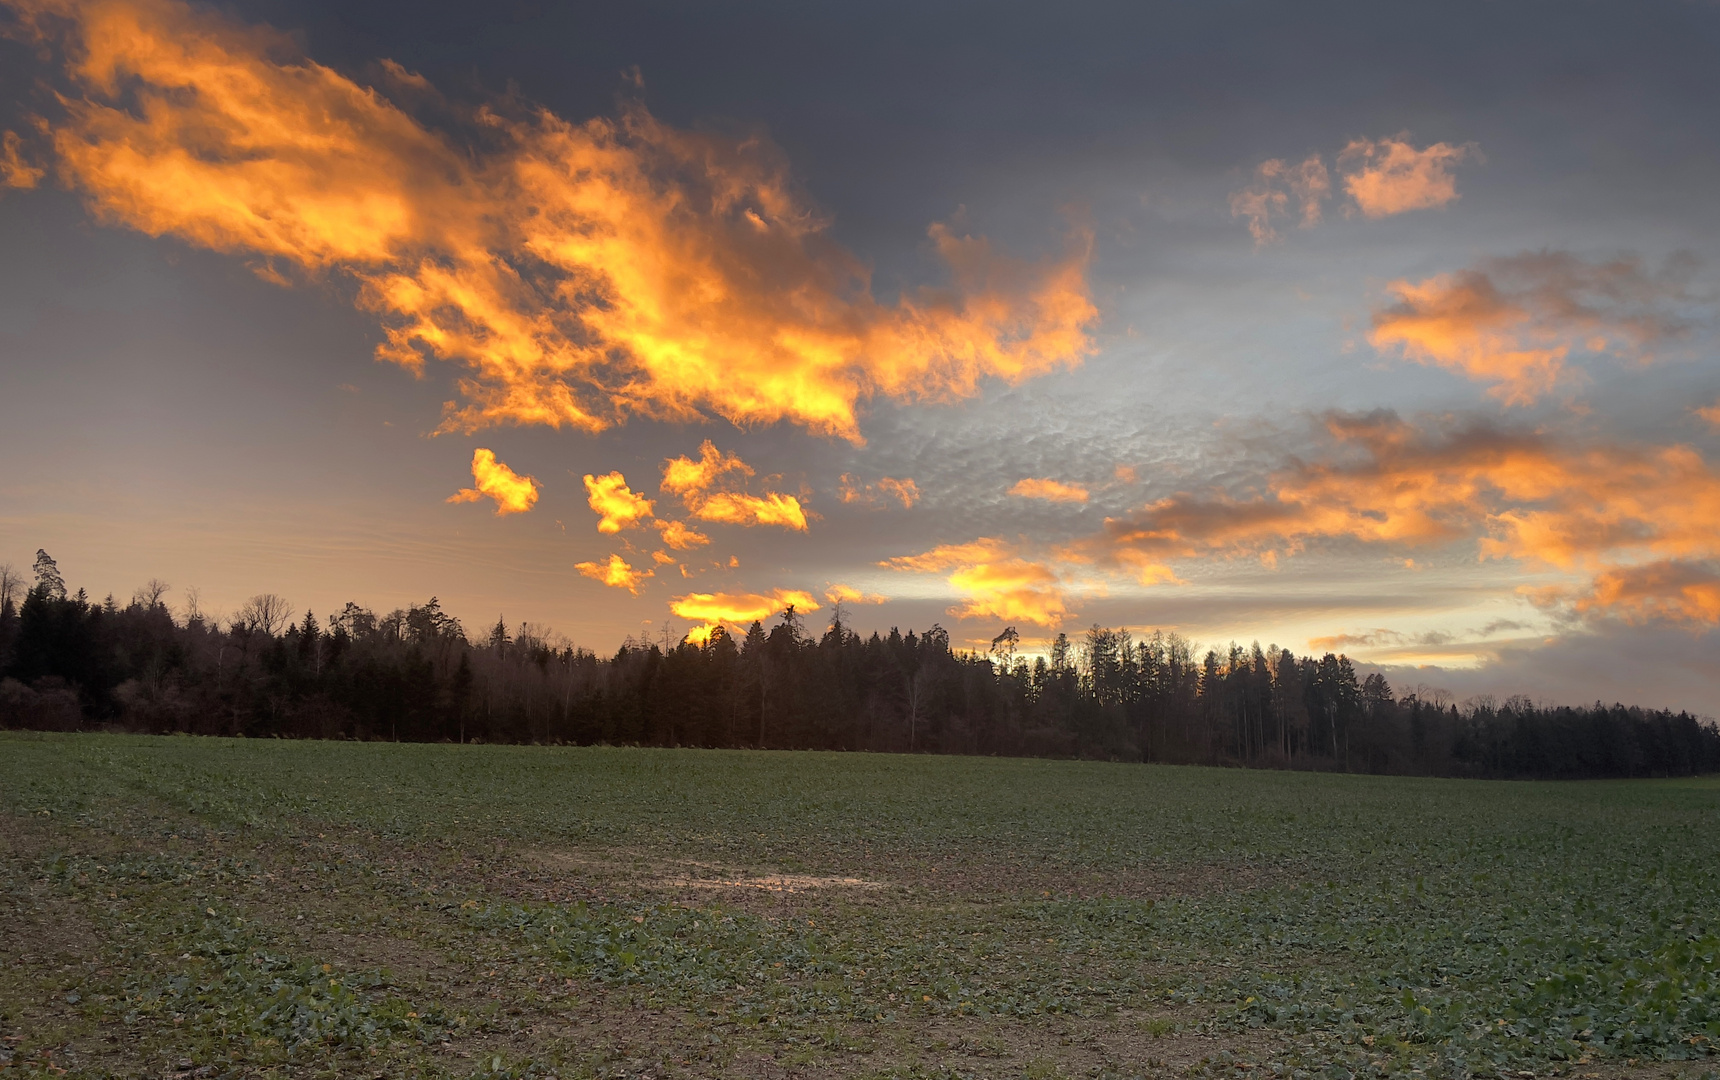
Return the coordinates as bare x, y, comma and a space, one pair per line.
417, 674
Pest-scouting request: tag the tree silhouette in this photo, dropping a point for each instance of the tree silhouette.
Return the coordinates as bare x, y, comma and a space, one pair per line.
413, 674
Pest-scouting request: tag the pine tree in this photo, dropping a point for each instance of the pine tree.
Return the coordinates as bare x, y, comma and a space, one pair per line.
48, 577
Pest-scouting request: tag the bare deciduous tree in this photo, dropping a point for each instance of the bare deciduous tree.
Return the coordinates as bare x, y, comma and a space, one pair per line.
265, 613
148, 595
11, 586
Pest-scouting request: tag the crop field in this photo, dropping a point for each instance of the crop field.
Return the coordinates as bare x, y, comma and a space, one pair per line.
199, 907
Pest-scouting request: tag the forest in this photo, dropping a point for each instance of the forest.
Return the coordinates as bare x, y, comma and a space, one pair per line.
68, 662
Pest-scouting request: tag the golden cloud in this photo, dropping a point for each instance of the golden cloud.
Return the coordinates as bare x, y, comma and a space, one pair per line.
1051, 490
1607, 511
735, 508
738, 609
1710, 413
887, 488
694, 481
576, 272
1672, 591
618, 506
514, 494
945, 556
616, 573
684, 476
680, 536
1390, 176
847, 594
1514, 322
994, 582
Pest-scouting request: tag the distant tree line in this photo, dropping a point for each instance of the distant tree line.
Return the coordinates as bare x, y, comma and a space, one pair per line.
68, 662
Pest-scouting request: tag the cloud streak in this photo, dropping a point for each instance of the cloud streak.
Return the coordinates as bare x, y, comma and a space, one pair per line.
575, 273
1514, 323
886, 489
737, 610
847, 594
993, 581
1640, 523
1049, 490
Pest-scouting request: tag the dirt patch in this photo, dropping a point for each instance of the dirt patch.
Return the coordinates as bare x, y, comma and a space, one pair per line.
631, 868
776, 883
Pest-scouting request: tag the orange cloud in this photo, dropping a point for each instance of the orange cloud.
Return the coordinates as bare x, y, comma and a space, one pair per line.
1606, 511
15, 172
684, 476
694, 480
847, 594
617, 506
662, 558
1391, 176
1275, 183
1380, 638
576, 273
993, 581
680, 536
945, 556
616, 573
1051, 490
737, 609
1710, 413
904, 491
735, 508
514, 494
1671, 591
1514, 322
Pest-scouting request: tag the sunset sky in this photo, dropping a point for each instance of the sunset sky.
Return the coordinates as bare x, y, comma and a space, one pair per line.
1344, 327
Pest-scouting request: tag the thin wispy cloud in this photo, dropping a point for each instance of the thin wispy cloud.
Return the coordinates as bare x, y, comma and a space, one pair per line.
1281, 190
15, 171
880, 492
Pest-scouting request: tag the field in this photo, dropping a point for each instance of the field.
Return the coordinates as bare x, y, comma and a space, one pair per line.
202, 907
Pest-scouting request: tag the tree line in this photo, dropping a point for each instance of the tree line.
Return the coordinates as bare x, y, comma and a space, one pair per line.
69, 662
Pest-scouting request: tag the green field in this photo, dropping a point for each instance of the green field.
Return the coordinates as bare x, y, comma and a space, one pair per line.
203, 907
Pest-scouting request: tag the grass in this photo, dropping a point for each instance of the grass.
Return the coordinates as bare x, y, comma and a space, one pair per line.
202, 907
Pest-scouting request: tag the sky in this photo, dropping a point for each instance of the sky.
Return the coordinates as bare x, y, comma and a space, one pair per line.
1383, 330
